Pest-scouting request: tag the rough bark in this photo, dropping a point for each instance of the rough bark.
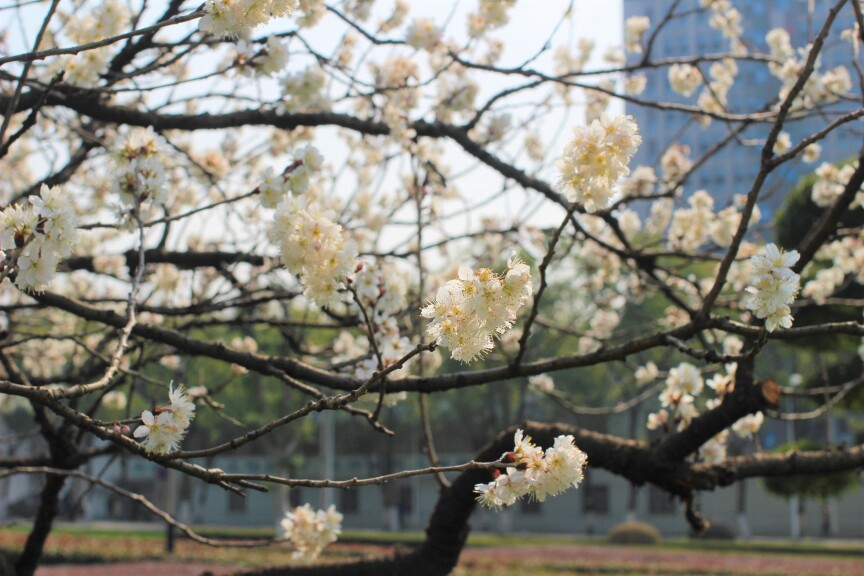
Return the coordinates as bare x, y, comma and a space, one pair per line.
49, 506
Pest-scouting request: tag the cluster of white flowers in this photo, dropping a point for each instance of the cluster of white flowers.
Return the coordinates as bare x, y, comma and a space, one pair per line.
310, 531
674, 164
163, 432
303, 91
140, 178
490, 15
830, 182
541, 383
635, 84
691, 227
783, 143
106, 19
596, 158
684, 78
311, 244
423, 34
841, 258
568, 63
727, 19
774, 288
640, 183
402, 73
35, 237
634, 29
265, 61
788, 64
275, 187
714, 450
237, 18
314, 247
535, 473
469, 311
714, 97
812, 153
115, 400
749, 425
683, 384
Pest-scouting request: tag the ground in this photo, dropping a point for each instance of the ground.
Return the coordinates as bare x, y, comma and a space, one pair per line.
76, 552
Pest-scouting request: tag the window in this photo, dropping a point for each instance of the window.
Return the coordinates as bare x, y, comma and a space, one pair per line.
349, 503
660, 502
595, 498
295, 497
406, 500
236, 503
529, 506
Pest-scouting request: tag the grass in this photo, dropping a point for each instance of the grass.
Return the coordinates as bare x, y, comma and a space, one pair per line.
486, 553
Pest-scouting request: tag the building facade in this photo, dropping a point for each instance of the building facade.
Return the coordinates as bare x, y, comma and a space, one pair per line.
733, 170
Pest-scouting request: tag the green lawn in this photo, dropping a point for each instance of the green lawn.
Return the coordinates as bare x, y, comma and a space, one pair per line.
537, 554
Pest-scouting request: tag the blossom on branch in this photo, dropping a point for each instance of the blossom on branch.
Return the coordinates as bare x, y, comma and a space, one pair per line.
237, 18
41, 234
469, 311
309, 531
163, 432
596, 159
534, 473
774, 288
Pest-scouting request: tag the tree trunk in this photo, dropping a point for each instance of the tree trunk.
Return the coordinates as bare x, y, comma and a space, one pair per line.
49, 505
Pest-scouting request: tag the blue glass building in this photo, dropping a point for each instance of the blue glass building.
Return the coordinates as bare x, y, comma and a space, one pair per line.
733, 170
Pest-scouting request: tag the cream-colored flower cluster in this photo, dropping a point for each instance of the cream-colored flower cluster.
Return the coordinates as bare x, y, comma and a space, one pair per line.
303, 91
106, 19
35, 237
140, 179
262, 61
788, 65
841, 258
311, 244
692, 227
596, 159
684, 386
684, 78
774, 288
310, 531
468, 312
535, 473
314, 247
727, 20
830, 182
715, 96
423, 34
634, 29
489, 16
163, 432
237, 18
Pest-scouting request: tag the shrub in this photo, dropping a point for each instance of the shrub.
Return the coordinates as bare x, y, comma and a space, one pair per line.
717, 531
634, 533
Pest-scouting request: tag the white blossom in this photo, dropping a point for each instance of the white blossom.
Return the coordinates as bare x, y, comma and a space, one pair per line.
748, 426
237, 18
774, 288
634, 28
684, 78
310, 531
535, 473
468, 312
596, 159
